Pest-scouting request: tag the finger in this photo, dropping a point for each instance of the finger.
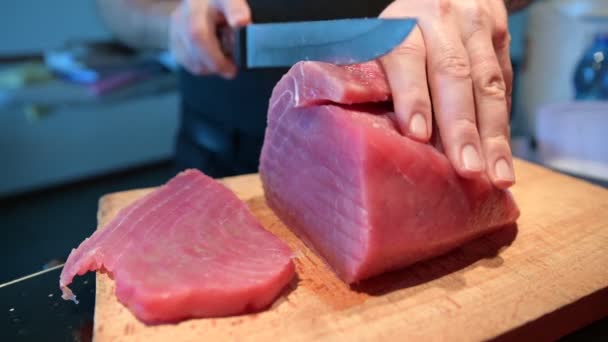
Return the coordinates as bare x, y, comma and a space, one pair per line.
491, 108
177, 44
236, 12
504, 60
188, 59
406, 71
502, 42
205, 46
187, 54
452, 95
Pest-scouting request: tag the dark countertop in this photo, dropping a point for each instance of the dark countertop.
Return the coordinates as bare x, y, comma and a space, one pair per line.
35, 310
39, 231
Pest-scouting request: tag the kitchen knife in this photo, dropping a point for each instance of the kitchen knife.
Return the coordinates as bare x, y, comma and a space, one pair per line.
343, 41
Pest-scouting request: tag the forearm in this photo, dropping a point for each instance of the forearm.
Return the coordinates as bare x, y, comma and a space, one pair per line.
141, 24
516, 5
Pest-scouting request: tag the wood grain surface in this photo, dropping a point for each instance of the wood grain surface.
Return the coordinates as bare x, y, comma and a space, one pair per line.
540, 279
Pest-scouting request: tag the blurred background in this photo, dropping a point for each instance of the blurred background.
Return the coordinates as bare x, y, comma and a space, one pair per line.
82, 116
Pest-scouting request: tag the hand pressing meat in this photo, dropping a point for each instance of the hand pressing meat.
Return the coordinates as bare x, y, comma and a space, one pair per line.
455, 68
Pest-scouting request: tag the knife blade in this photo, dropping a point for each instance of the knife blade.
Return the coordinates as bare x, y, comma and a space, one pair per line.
342, 42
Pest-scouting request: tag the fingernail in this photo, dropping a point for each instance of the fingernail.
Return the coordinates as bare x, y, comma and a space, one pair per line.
418, 126
503, 170
471, 159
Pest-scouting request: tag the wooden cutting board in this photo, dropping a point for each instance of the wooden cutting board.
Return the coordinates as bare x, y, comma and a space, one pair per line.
542, 279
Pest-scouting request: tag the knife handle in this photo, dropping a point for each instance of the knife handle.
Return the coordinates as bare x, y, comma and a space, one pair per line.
233, 44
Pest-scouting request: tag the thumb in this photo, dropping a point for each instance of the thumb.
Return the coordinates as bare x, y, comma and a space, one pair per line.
236, 12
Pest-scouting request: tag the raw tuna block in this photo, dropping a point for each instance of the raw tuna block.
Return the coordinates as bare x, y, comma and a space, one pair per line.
366, 198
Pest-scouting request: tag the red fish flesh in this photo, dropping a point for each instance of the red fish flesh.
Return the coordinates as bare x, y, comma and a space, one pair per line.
188, 249
337, 171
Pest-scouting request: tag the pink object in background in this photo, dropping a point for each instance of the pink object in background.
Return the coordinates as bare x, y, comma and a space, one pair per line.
119, 80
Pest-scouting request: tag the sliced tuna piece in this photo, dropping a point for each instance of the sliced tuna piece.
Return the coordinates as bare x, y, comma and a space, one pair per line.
337, 171
188, 249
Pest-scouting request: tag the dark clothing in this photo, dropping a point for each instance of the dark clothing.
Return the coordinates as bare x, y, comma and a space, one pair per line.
223, 121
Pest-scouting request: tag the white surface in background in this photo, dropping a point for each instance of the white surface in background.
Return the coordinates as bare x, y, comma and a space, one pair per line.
78, 142
559, 32
573, 137
583, 168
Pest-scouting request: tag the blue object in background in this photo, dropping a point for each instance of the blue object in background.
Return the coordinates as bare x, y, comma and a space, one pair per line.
591, 74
